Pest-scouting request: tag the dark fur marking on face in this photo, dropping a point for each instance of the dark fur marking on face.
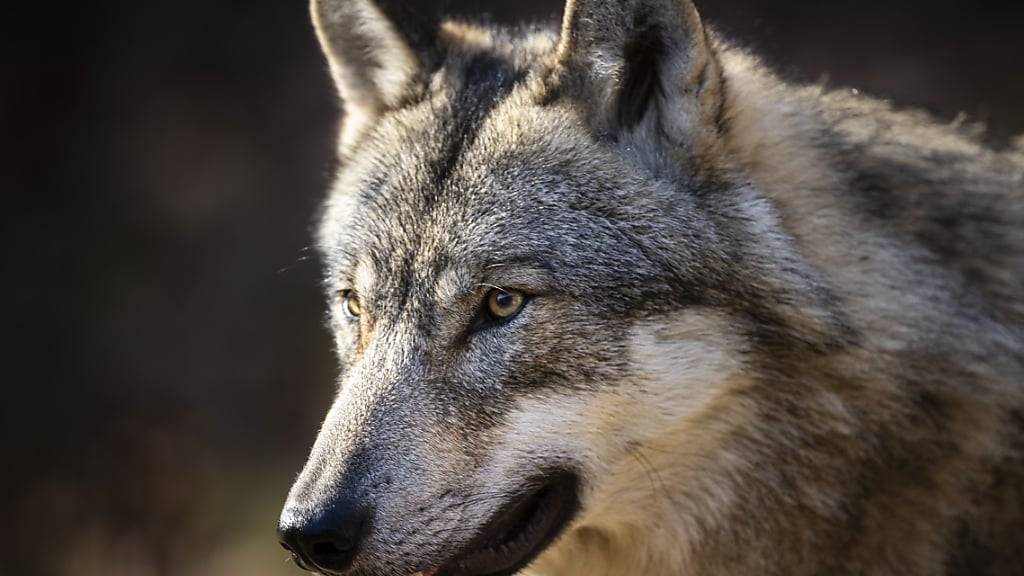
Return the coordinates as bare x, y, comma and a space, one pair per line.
477, 84
487, 80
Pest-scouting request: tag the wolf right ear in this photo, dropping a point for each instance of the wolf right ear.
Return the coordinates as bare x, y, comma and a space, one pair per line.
643, 67
379, 52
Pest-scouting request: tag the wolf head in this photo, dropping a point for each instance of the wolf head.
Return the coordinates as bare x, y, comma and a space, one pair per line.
544, 270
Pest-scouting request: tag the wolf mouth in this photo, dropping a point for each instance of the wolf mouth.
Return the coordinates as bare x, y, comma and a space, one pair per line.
520, 531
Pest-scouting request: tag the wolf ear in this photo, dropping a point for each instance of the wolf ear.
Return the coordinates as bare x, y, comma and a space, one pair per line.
379, 51
643, 64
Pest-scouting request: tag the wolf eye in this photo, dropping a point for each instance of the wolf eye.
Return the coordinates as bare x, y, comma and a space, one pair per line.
500, 306
503, 304
350, 303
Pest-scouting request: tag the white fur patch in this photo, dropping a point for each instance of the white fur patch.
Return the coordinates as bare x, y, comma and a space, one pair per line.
643, 443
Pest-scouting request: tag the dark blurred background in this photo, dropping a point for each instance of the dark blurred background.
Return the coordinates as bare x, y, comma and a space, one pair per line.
162, 163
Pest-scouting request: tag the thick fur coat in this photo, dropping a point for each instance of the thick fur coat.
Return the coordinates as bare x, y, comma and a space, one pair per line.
768, 329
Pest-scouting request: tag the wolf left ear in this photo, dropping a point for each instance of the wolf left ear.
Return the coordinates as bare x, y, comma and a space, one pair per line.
379, 52
643, 64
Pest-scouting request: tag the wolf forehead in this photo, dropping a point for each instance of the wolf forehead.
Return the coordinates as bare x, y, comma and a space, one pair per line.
483, 171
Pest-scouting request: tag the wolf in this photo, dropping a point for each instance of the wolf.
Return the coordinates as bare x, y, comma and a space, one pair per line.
614, 299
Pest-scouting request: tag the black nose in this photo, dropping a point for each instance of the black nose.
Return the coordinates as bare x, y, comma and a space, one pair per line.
325, 540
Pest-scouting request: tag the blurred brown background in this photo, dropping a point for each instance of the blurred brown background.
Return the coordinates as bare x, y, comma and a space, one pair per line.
162, 165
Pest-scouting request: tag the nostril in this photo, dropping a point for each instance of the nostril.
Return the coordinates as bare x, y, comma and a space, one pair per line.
328, 540
332, 546
289, 539
333, 551
323, 549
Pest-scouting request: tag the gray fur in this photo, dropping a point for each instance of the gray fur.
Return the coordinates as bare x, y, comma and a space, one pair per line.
863, 267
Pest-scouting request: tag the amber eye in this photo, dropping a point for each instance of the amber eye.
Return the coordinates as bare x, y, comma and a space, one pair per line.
350, 303
504, 304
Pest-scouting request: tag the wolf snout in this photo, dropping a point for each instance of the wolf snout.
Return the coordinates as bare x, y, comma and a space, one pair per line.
327, 539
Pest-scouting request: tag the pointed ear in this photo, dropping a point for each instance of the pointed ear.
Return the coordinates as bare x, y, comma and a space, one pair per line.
379, 52
643, 65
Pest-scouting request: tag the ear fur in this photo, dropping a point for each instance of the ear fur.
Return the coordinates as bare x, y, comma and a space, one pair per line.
379, 52
643, 65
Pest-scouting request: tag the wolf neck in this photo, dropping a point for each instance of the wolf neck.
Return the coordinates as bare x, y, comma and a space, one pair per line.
898, 184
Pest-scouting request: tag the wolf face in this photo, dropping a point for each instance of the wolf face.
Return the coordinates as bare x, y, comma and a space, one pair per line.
467, 441
552, 277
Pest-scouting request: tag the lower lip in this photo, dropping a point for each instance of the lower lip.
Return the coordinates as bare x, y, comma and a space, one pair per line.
539, 527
